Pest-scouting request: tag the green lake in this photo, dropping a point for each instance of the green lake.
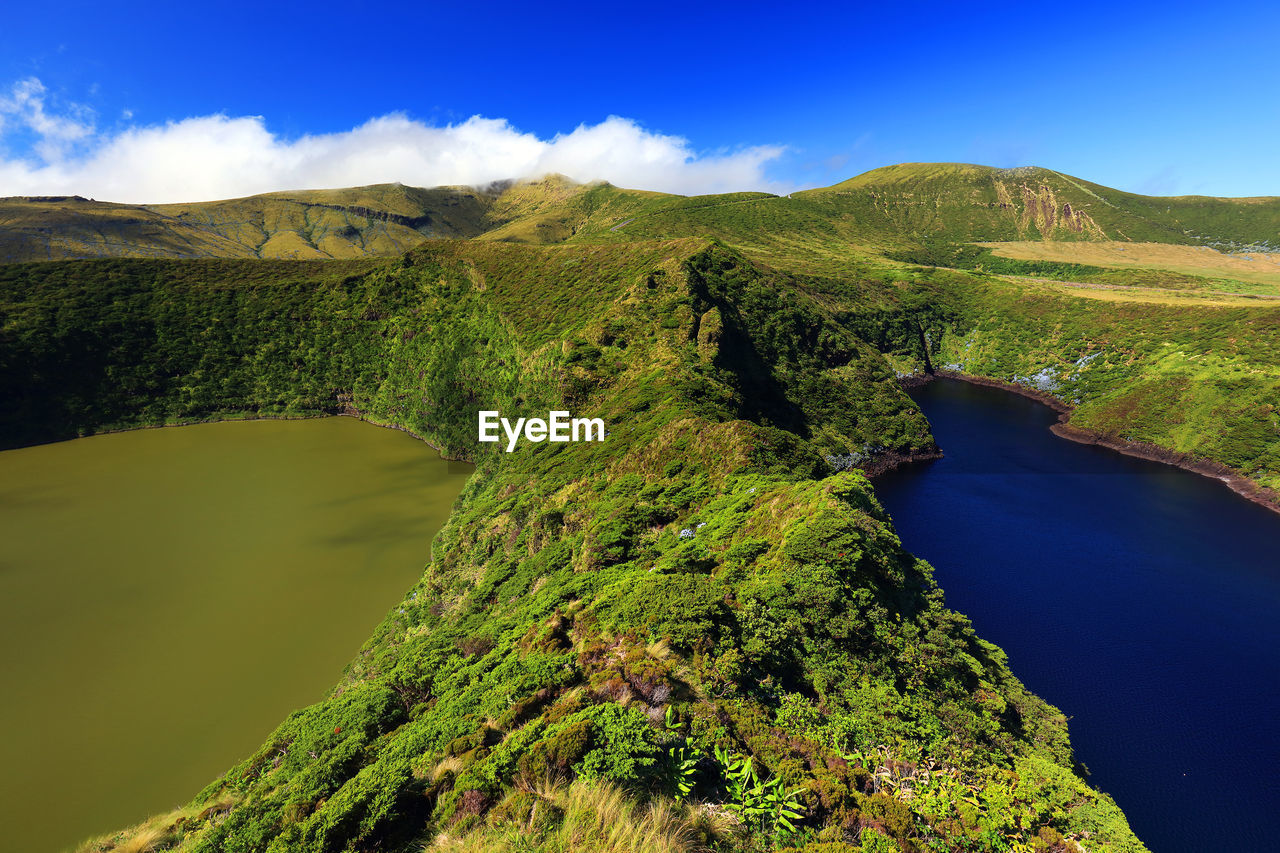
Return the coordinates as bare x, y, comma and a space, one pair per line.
168, 596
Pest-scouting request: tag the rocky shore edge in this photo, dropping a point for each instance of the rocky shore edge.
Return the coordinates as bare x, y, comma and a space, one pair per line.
891, 460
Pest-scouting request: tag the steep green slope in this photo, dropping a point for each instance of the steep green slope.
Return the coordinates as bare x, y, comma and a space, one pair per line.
962, 202
1198, 379
91, 345
610, 611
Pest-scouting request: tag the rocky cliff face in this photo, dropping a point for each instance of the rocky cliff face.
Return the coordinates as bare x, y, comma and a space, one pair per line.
1040, 213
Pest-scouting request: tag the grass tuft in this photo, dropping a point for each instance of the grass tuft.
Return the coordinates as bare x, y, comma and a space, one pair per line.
597, 818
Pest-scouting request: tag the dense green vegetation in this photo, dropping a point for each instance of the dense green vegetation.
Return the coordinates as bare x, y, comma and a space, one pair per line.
696, 609
110, 344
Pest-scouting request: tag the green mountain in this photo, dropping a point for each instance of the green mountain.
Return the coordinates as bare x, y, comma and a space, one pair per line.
967, 203
710, 605
57, 227
883, 209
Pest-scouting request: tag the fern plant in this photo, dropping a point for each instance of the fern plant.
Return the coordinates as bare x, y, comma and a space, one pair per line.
682, 762
763, 804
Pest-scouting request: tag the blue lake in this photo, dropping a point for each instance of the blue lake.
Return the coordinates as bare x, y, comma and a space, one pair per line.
1142, 600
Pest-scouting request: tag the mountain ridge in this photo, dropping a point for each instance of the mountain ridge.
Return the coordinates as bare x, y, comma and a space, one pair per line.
882, 208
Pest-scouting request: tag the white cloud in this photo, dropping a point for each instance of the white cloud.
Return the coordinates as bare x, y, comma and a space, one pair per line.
24, 111
219, 156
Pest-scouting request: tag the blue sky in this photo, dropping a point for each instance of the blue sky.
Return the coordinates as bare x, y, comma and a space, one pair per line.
1162, 99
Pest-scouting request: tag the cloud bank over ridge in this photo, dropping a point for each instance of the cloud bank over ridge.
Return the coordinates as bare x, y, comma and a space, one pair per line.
218, 156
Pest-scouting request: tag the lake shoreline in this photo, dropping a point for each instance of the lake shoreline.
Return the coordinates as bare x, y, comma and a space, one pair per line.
1248, 489
226, 418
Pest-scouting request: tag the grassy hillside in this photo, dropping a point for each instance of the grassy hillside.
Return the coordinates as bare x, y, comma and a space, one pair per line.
1191, 371
385, 220
699, 609
53, 228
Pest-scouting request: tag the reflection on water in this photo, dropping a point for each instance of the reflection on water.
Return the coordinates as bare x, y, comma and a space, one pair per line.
168, 596
1140, 599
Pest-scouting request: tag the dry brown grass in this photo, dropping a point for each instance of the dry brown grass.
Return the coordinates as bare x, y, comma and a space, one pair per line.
158, 831
1253, 267
659, 649
146, 837
449, 764
1148, 295
600, 818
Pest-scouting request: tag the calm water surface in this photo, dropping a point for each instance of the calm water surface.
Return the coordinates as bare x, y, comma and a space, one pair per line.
1142, 600
168, 596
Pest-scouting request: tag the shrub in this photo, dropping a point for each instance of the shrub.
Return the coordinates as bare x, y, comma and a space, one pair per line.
686, 609
873, 841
